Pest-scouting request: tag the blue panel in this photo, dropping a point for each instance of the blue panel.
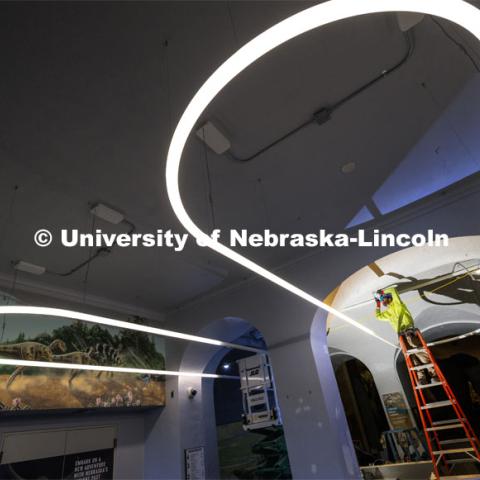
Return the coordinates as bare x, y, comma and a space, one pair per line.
363, 216
447, 153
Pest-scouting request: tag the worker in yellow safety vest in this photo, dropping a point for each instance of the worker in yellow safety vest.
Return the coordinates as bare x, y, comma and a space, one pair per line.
401, 320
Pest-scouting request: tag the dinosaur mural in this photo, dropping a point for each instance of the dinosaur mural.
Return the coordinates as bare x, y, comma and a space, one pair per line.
30, 351
26, 388
79, 358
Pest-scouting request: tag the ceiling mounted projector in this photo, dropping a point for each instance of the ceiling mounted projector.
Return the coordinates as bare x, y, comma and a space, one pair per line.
214, 139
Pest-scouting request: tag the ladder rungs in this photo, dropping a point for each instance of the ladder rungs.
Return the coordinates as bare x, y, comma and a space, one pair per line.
422, 367
429, 385
462, 460
416, 350
453, 440
443, 403
446, 425
447, 422
453, 450
462, 446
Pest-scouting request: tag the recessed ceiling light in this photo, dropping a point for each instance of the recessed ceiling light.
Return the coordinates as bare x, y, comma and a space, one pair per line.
348, 167
457, 11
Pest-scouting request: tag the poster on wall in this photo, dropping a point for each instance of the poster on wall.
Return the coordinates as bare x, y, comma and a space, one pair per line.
95, 465
397, 410
195, 463
53, 339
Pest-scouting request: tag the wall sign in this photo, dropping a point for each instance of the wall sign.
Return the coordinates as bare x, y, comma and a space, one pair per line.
195, 463
397, 410
95, 465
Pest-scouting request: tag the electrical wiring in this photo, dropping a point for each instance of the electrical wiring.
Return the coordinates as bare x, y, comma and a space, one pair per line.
457, 43
324, 114
321, 14
100, 252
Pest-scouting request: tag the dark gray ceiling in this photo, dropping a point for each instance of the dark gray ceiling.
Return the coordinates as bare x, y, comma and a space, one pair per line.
89, 95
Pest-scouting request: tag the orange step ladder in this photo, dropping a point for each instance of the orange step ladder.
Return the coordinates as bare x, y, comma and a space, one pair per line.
448, 452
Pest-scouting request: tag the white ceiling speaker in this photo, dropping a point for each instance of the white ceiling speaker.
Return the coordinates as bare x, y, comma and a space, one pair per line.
106, 213
29, 268
214, 138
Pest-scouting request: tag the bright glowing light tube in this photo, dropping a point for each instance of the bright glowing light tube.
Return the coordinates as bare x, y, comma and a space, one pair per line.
102, 368
456, 11
58, 312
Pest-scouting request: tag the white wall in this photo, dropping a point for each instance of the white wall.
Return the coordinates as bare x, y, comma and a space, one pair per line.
286, 323
315, 427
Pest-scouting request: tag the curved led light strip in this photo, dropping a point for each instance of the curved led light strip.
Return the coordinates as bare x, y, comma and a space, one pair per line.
456, 11
102, 368
454, 339
58, 312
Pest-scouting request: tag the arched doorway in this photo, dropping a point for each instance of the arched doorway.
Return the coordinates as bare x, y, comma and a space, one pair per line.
363, 407
245, 452
442, 293
213, 417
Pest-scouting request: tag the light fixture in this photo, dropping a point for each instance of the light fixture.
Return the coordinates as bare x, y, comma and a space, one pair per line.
58, 312
22, 266
106, 213
456, 11
101, 368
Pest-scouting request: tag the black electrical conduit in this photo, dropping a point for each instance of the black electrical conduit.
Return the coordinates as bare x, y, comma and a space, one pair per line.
100, 252
324, 114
